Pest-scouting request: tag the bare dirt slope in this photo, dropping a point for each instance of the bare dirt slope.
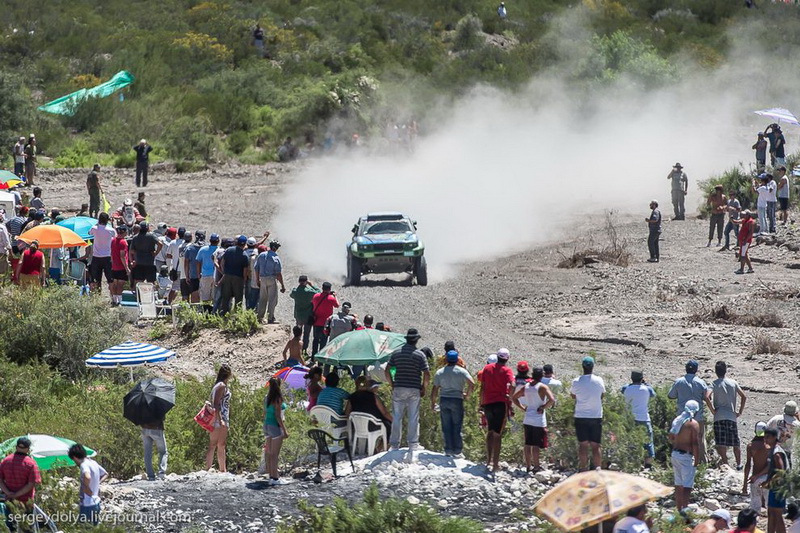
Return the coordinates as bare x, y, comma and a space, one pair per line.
629, 317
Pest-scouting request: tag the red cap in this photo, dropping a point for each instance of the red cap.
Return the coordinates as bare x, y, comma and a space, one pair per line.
172, 233
261, 248
522, 366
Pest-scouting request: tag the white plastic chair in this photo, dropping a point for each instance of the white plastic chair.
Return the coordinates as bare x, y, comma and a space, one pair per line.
360, 422
328, 420
146, 298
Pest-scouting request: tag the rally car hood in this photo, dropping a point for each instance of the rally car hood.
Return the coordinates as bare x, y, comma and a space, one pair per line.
386, 238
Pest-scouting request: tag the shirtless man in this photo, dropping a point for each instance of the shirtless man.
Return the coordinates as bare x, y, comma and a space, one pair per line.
758, 463
684, 435
720, 520
294, 348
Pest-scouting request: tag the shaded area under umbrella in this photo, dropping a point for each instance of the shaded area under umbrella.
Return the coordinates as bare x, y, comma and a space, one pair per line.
149, 401
589, 498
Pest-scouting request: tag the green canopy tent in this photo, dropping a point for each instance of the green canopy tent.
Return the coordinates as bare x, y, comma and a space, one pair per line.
68, 105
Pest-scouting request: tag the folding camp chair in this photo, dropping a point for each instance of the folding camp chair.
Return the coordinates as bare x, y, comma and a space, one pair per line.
146, 298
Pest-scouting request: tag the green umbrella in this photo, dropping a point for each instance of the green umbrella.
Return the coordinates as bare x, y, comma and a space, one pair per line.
48, 452
361, 347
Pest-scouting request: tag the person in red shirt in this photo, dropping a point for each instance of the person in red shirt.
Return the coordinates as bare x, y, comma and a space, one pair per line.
19, 476
745, 238
120, 265
322, 306
30, 269
497, 382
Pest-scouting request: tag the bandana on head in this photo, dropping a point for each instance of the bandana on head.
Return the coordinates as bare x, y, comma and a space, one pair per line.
689, 410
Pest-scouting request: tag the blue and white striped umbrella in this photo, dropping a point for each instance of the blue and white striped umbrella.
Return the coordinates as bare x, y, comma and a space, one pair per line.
130, 354
780, 114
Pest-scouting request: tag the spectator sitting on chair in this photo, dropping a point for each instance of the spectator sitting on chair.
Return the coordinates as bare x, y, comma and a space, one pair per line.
332, 396
365, 400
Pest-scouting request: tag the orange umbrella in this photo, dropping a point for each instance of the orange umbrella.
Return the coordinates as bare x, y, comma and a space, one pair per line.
588, 498
52, 236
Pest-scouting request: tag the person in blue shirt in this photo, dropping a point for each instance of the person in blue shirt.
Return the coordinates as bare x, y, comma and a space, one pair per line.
268, 275
205, 268
190, 265
691, 387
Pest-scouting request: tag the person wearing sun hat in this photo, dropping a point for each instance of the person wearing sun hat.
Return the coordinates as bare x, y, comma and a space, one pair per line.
680, 186
787, 425
719, 520
449, 383
408, 384
588, 391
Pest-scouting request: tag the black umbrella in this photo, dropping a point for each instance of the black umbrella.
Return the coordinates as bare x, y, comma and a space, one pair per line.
149, 401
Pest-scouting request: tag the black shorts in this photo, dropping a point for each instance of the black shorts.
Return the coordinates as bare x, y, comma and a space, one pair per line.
144, 272
726, 433
589, 429
186, 288
495, 415
98, 267
119, 275
784, 203
535, 436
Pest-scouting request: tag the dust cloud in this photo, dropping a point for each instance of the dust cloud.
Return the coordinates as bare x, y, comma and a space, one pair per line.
502, 171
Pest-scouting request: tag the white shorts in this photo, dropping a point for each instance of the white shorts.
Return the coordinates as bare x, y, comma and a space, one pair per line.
743, 249
206, 288
758, 495
684, 469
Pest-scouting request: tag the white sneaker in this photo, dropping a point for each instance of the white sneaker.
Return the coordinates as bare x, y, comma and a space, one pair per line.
275, 482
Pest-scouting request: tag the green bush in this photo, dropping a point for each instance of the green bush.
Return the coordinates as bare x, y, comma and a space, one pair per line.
237, 322
376, 513
468, 34
192, 139
57, 326
732, 179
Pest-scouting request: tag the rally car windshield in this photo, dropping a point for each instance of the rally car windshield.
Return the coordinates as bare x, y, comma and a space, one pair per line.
383, 227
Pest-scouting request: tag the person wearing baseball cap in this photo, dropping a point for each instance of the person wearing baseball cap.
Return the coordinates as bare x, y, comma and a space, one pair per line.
757, 464
235, 267
449, 384
588, 391
680, 187
269, 272
787, 424
410, 379
144, 248
322, 306
538, 397
690, 387
719, 520
744, 239
19, 477
497, 386
192, 267
340, 322
638, 395
302, 295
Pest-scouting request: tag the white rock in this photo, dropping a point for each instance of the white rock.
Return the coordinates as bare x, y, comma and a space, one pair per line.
412, 500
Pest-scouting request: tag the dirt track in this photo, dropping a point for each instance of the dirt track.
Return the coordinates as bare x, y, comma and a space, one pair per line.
630, 317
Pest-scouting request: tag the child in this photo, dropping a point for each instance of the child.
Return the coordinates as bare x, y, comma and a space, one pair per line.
295, 349
274, 429
164, 283
37, 202
139, 206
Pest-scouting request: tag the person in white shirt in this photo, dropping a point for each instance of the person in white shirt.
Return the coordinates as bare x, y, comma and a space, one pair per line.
635, 521
787, 425
92, 474
588, 391
173, 260
638, 395
538, 398
550, 380
782, 194
101, 253
762, 188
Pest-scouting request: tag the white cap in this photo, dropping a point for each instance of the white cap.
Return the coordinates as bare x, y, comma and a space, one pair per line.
503, 354
491, 359
143, 141
722, 514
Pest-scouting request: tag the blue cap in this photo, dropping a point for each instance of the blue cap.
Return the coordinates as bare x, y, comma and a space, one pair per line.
214, 237
241, 239
452, 356
588, 362
692, 366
